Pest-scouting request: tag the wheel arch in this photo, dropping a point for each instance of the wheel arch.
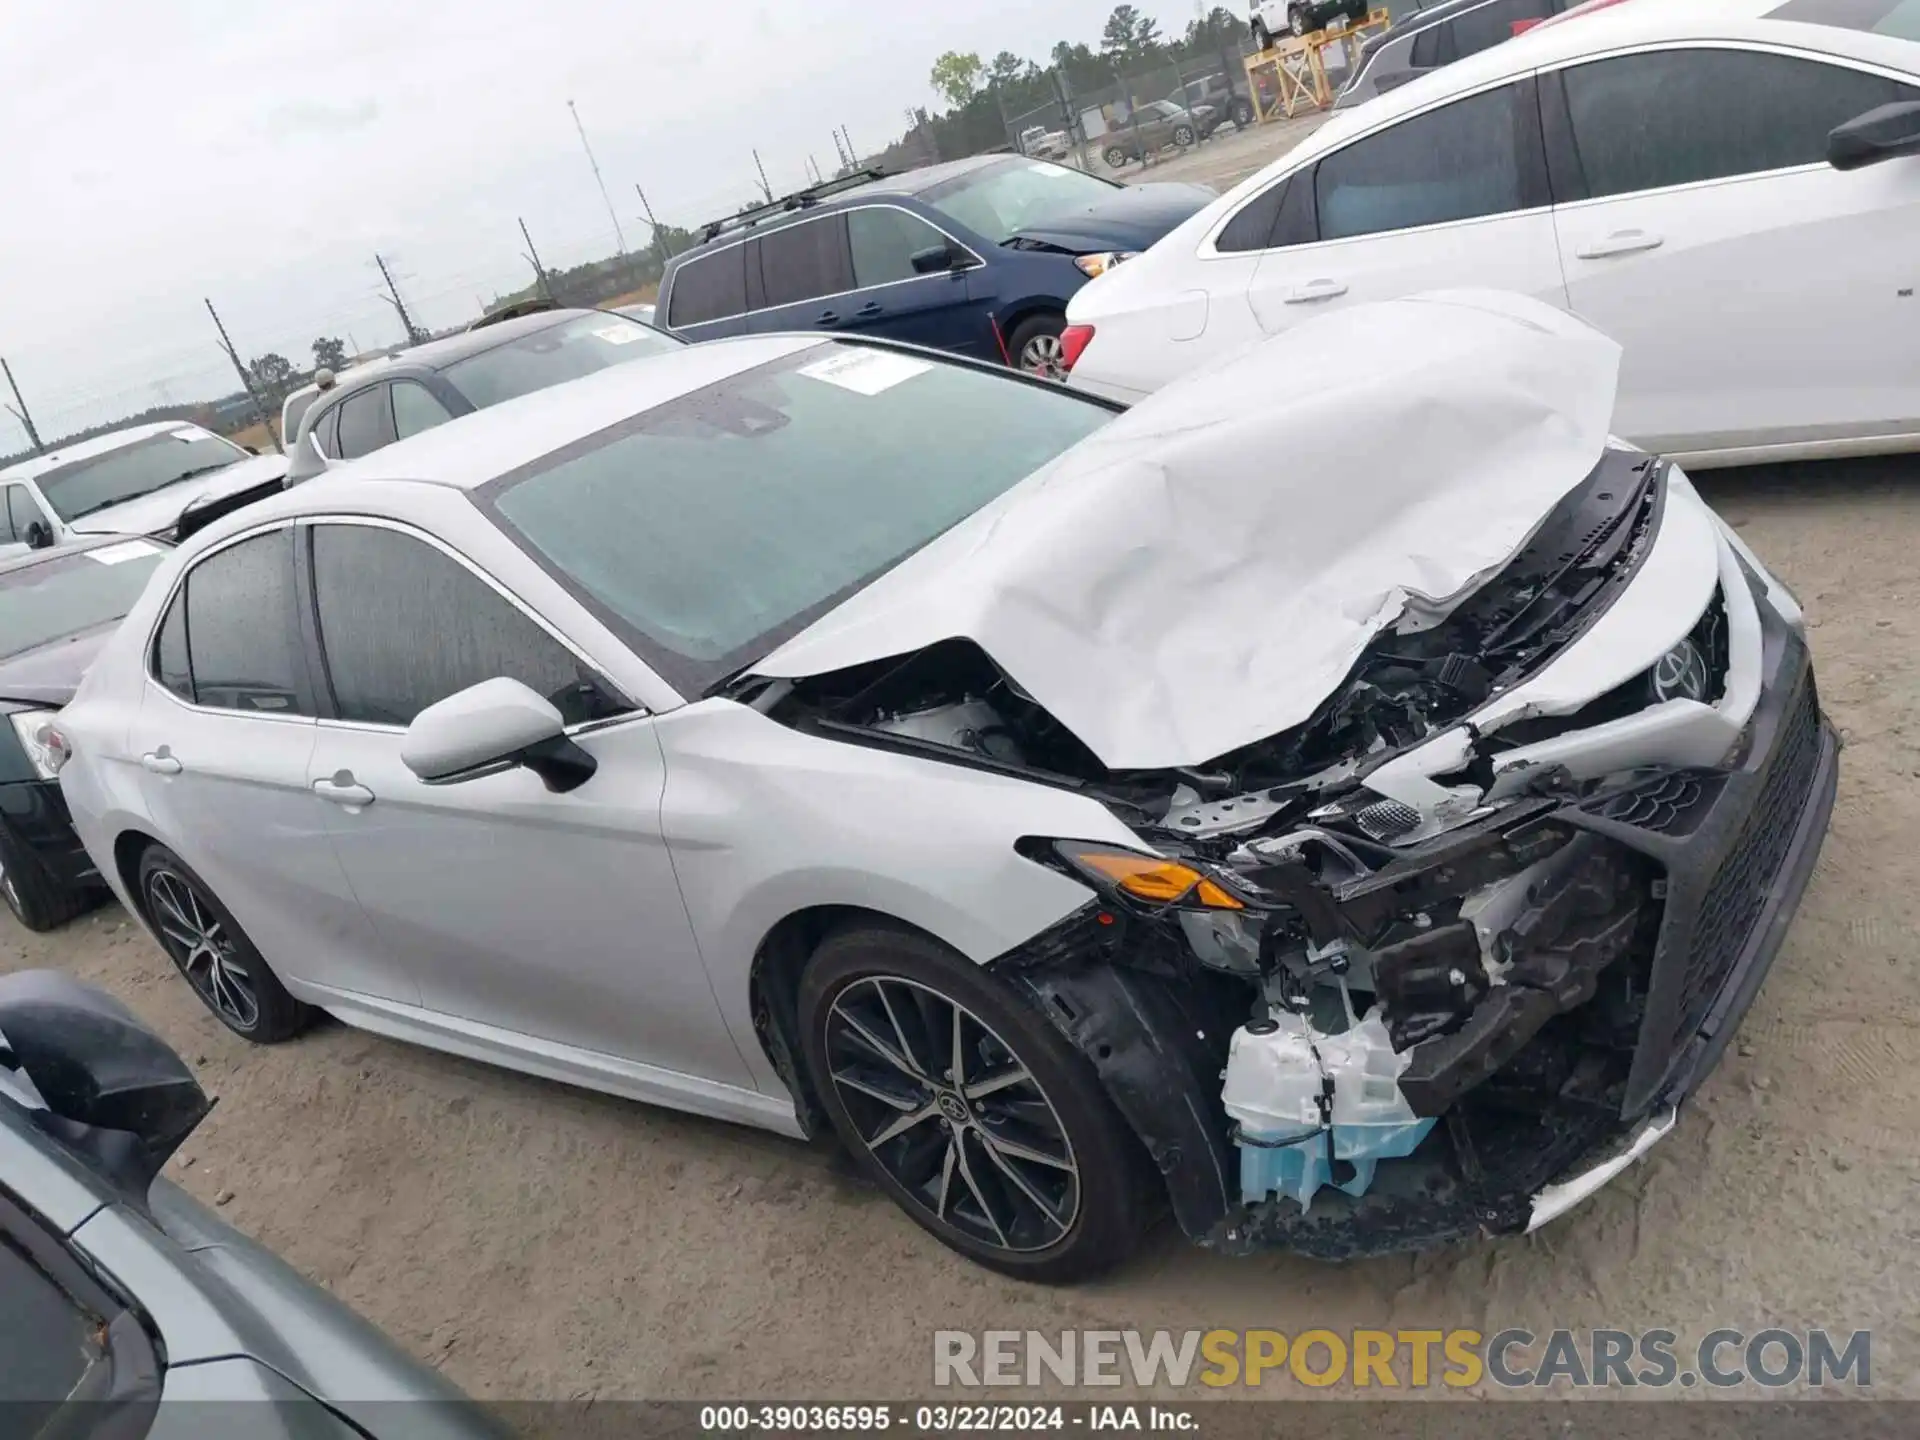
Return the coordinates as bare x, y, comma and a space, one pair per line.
128, 846
773, 991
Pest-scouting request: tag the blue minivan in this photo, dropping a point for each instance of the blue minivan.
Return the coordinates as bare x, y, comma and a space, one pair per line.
976, 256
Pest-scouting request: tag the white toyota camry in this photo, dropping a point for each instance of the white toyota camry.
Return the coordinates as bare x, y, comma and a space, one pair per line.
808, 732
1729, 188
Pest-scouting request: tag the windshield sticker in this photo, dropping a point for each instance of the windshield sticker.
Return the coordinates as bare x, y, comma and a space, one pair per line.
190, 433
620, 334
120, 554
1043, 168
865, 372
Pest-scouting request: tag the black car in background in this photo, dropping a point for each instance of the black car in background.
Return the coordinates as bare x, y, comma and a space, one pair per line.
442, 380
1437, 35
57, 608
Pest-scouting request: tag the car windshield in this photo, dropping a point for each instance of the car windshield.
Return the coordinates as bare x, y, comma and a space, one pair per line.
710, 529
998, 201
84, 486
69, 592
547, 357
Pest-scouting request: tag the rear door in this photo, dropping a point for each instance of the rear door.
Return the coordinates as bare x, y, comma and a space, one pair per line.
1454, 195
806, 277
706, 296
366, 422
1763, 297
224, 735
946, 308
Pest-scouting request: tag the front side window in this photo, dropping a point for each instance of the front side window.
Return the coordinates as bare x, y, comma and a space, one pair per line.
415, 409
23, 511
82, 487
712, 287
553, 354
1460, 162
71, 592
885, 240
1676, 117
805, 261
713, 526
241, 652
1001, 198
403, 625
366, 423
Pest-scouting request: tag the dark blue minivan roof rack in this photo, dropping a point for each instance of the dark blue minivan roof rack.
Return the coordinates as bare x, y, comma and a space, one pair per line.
798, 200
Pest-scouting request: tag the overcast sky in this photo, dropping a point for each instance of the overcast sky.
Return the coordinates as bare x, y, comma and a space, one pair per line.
260, 154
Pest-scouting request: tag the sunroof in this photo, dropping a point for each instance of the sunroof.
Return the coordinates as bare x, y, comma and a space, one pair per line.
1899, 18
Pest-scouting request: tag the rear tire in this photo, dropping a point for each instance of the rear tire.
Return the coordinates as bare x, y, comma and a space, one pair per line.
1242, 114
1262, 36
1297, 20
213, 954
37, 900
1021, 1163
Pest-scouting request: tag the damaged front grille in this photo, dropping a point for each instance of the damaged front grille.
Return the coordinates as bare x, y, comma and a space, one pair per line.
1670, 804
1739, 890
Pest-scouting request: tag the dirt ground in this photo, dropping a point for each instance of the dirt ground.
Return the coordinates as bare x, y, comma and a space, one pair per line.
537, 1242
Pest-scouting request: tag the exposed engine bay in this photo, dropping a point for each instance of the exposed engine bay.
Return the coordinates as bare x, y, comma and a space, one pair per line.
1406, 1008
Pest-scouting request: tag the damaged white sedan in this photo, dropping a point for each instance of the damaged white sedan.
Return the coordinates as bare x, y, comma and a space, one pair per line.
1355, 823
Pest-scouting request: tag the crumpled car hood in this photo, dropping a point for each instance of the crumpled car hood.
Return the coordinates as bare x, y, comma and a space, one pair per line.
1129, 219
160, 511
1203, 572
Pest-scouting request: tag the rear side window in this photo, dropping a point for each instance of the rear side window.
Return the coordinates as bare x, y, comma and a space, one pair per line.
1460, 162
366, 423
326, 433
713, 287
1676, 117
805, 261
239, 630
1252, 227
403, 625
170, 666
1487, 26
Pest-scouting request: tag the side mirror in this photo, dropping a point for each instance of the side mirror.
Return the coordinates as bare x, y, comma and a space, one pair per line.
488, 727
1881, 134
38, 537
936, 259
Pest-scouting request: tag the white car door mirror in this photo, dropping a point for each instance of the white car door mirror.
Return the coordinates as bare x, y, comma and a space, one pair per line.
1880, 134
491, 725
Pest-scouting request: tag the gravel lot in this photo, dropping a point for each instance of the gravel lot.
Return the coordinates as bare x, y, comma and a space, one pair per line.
537, 1242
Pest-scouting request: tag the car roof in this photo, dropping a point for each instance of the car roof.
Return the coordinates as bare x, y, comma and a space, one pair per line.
491, 442
92, 449
31, 558
1601, 26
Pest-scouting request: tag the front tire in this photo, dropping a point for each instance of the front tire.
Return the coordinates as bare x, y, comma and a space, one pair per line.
971, 1111
1115, 157
1262, 36
37, 900
214, 955
1035, 346
1183, 136
1297, 21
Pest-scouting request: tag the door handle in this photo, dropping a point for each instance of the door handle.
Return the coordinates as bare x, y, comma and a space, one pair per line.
827, 317
1316, 290
343, 789
869, 311
1621, 242
160, 762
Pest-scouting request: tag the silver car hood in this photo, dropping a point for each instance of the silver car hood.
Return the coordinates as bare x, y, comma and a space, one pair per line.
1203, 572
160, 511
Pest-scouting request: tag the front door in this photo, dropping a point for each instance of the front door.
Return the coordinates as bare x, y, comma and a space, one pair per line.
553, 916
1762, 296
224, 738
1453, 196
945, 309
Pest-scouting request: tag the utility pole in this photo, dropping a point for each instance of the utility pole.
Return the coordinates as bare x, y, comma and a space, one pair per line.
659, 245
415, 335
20, 411
846, 162
853, 155
246, 380
764, 186
618, 234
532, 257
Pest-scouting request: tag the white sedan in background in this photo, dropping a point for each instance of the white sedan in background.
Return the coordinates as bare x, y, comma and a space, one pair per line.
1729, 188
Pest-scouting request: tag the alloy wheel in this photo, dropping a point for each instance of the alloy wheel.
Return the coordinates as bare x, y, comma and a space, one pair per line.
7, 889
952, 1114
200, 946
1043, 355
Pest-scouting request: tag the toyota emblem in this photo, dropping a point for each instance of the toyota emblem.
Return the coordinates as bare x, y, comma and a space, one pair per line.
1681, 673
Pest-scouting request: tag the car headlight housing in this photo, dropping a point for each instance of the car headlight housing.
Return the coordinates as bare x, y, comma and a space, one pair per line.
1153, 880
47, 749
1095, 265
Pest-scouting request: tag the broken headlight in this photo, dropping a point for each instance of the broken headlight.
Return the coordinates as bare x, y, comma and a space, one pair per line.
1153, 880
